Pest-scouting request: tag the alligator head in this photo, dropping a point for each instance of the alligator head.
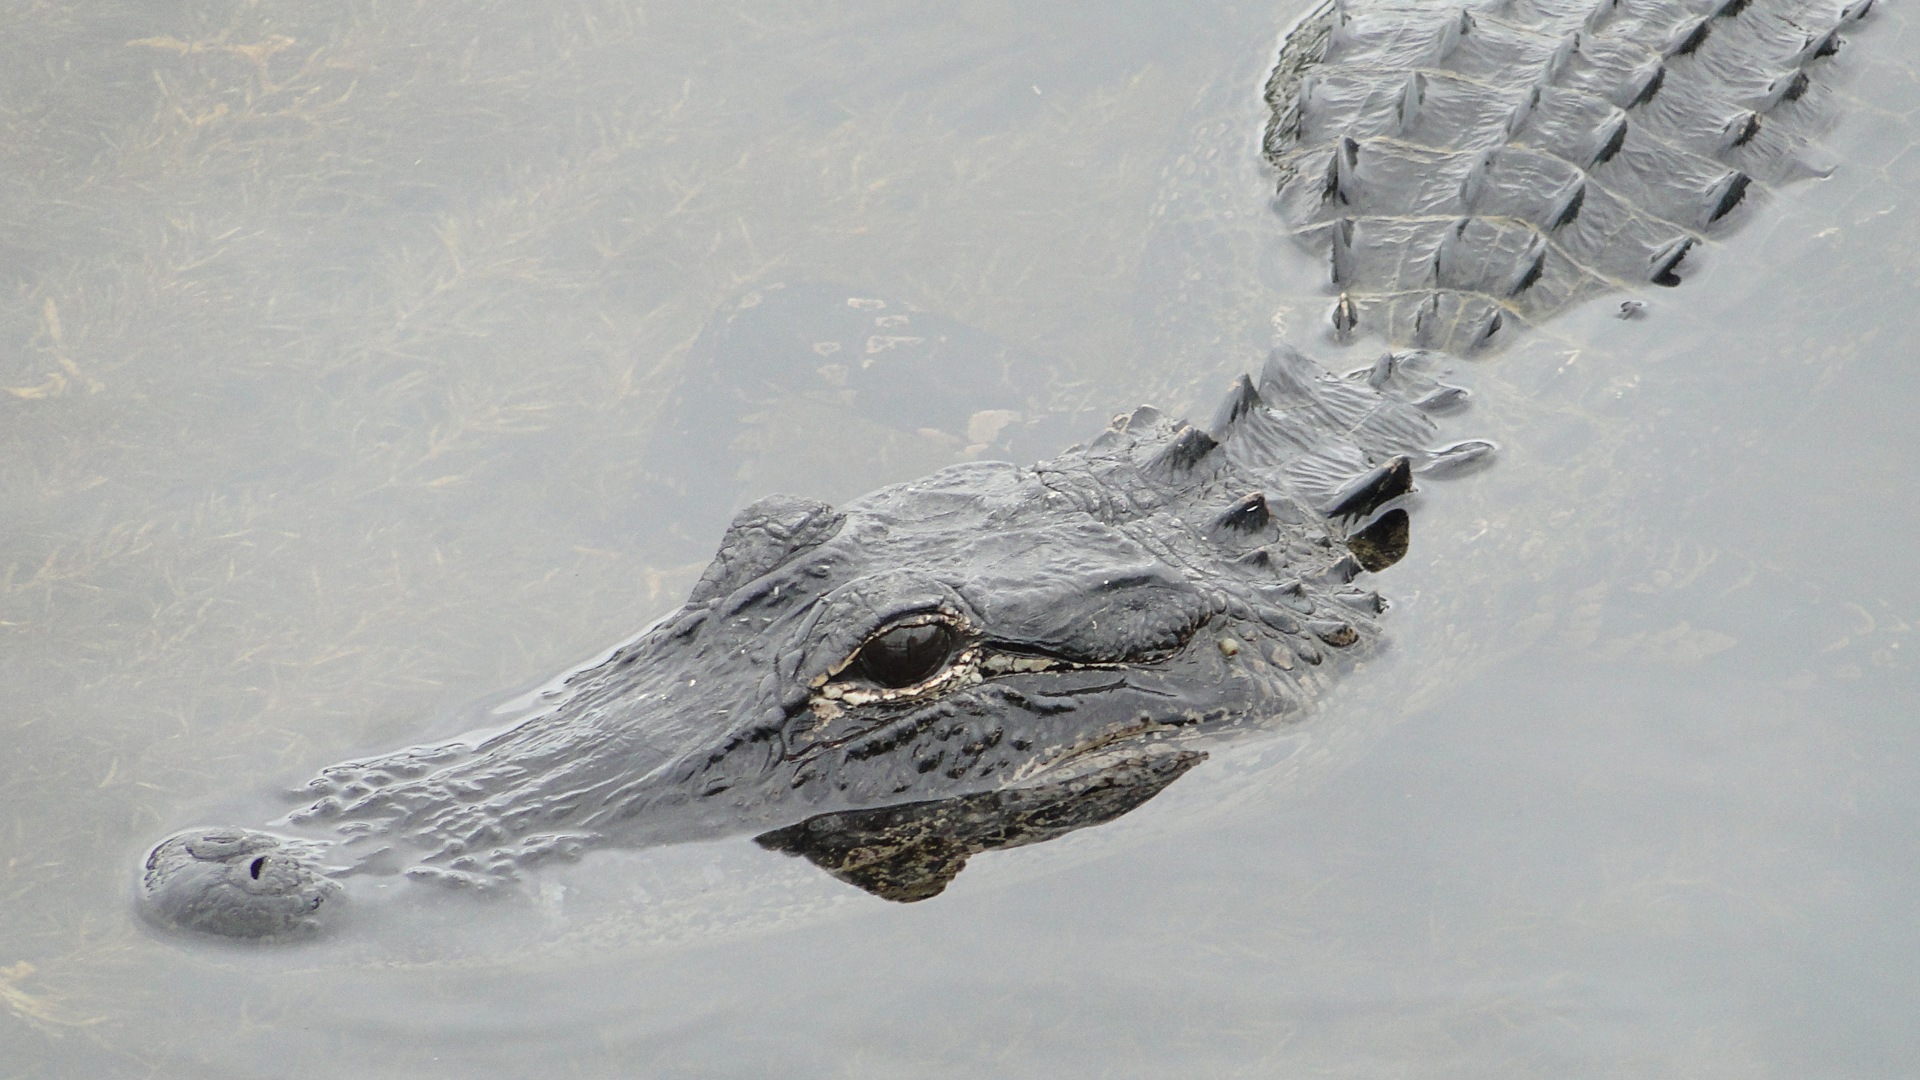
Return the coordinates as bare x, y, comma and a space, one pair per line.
987, 629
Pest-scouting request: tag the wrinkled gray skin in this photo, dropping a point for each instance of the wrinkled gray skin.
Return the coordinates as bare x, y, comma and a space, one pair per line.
1463, 172
1162, 579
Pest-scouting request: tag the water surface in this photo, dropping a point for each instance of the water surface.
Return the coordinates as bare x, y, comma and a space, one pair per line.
340, 345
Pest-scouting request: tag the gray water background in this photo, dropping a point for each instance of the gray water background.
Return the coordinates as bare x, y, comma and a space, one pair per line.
332, 344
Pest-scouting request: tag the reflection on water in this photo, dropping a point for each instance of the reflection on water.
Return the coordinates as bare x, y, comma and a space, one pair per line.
340, 342
912, 852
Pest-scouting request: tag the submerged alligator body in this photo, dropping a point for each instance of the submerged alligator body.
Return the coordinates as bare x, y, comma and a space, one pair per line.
995, 655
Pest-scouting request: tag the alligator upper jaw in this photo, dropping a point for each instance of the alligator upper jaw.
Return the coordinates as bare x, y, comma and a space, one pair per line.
237, 884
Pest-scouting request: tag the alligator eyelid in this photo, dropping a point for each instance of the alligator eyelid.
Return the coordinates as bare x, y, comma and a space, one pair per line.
927, 617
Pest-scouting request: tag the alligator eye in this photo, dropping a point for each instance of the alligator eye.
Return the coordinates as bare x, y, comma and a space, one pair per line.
905, 655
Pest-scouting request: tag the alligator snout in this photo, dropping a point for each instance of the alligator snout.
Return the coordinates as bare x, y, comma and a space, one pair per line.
237, 883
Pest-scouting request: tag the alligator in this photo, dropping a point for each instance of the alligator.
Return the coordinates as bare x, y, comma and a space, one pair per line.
995, 655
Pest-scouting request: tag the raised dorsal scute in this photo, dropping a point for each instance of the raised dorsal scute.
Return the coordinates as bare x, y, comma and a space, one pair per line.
1241, 400
1373, 489
1184, 453
1247, 514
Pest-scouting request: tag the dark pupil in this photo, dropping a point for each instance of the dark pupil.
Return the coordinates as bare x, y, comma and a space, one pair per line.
905, 655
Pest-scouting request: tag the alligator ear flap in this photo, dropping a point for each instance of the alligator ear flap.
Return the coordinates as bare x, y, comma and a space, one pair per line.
762, 537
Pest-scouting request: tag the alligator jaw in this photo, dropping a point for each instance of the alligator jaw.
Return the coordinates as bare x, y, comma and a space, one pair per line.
237, 883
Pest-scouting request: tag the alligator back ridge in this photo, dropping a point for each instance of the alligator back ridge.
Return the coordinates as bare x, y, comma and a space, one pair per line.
1466, 170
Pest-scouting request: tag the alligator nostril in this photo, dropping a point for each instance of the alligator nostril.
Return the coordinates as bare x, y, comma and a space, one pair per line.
253, 868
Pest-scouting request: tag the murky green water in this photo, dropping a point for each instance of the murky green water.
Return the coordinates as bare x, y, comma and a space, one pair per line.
336, 348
